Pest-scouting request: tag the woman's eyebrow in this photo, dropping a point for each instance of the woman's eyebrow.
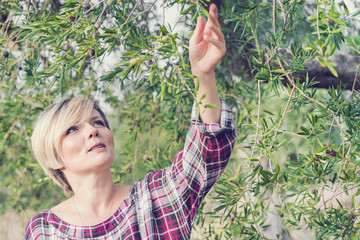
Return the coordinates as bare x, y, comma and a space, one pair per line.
95, 117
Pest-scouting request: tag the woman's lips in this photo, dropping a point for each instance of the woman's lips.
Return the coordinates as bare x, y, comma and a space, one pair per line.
97, 146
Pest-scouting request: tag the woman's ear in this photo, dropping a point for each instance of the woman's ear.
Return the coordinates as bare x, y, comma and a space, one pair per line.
58, 166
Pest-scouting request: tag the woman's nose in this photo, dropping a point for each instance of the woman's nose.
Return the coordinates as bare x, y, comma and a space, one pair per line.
93, 132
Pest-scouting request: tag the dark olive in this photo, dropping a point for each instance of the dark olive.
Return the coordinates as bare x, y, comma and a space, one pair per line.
87, 6
6, 54
91, 52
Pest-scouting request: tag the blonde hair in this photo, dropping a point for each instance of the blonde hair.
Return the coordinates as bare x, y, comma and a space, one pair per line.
49, 129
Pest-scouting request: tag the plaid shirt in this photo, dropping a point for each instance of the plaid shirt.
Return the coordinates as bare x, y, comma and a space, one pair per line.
163, 205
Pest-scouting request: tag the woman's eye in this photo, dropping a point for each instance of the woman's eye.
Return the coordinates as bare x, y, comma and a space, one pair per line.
99, 122
71, 129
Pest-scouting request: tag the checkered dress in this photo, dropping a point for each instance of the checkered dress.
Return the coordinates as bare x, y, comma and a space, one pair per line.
164, 204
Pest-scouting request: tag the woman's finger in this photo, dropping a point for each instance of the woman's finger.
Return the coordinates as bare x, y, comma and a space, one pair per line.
199, 31
213, 9
214, 16
220, 45
215, 31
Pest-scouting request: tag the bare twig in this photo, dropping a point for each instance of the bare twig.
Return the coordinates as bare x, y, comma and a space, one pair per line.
34, 6
317, 21
163, 8
292, 82
6, 25
325, 201
128, 20
258, 120
283, 116
102, 13
274, 16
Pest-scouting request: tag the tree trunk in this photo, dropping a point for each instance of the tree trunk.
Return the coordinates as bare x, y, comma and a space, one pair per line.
347, 66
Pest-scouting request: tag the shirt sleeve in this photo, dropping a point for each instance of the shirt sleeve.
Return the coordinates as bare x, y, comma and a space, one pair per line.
205, 155
167, 200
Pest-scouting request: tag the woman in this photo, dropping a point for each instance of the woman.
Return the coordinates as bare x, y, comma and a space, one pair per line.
73, 143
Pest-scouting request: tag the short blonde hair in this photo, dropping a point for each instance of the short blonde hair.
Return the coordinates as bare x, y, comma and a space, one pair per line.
49, 129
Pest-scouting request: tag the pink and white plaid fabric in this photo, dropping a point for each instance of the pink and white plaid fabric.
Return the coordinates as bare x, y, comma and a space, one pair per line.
164, 204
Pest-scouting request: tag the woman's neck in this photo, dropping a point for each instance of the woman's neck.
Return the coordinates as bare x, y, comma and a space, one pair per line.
93, 192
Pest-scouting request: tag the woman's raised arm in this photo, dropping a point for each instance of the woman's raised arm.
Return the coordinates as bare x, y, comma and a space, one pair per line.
206, 49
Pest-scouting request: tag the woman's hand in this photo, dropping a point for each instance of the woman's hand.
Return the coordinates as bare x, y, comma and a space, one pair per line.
206, 48
207, 45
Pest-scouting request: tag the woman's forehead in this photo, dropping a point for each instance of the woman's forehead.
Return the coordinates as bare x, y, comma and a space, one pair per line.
95, 114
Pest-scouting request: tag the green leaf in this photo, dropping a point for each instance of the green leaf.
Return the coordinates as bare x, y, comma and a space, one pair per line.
346, 10
278, 71
336, 20
186, 11
355, 14
338, 30
164, 30
197, 85
350, 42
305, 131
210, 106
205, 12
331, 68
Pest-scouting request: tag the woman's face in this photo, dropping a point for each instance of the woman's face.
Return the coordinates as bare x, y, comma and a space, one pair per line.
88, 146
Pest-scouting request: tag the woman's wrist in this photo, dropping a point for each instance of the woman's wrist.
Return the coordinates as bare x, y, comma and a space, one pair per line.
203, 72
207, 87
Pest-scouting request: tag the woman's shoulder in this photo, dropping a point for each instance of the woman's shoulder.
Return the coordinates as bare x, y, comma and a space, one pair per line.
44, 220
40, 217
37, 223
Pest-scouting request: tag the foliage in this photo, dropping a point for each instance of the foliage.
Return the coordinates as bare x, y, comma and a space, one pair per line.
297, 152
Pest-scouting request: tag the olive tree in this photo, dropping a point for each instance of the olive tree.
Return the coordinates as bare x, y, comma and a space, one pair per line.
290, 75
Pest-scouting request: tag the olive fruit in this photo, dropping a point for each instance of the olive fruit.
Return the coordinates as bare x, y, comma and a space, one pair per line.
71, 18
256, 167
66, 47
332, 153
91, 52
87, 6
148, 63
97, 24
6, 54
133, 61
